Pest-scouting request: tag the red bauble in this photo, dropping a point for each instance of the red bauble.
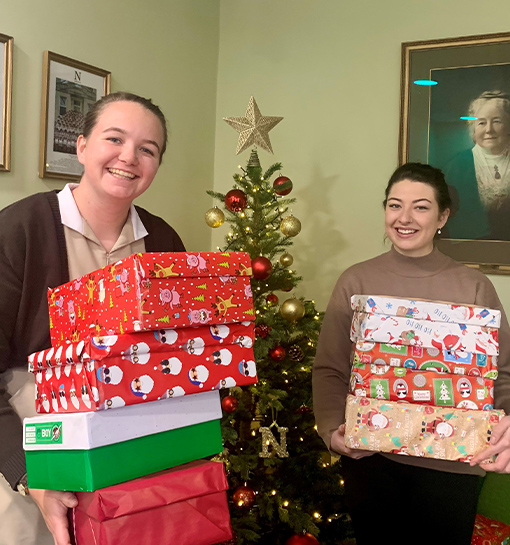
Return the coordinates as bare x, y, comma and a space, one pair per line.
244, 496
282, 185
277, 353
287, 287
303, 409
272, 299
229, 404
261, 267
262, 330
302, 539
236, 200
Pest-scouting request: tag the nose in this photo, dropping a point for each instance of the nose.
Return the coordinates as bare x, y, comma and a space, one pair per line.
405, 215
129, 155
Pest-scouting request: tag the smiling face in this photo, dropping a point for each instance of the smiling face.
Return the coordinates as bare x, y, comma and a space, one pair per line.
492, 126
412, 217
122, 153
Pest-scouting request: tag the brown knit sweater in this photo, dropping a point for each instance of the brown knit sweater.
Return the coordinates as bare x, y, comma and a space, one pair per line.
435, 277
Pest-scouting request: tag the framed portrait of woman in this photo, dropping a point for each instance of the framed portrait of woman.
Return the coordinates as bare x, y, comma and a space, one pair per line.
455, 115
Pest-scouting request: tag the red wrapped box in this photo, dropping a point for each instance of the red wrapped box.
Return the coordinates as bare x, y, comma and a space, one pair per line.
426, 387
490, 532
117, 370
418, 357
186, 505
151, 291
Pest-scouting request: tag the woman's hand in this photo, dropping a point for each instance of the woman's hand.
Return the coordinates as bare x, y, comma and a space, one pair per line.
53, 505
499, 446
338, 445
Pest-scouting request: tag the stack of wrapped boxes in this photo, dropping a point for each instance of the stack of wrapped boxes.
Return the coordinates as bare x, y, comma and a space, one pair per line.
422, 377
130, 388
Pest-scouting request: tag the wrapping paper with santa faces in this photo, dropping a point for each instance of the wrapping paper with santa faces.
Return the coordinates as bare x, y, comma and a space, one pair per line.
186, 505
424, 359
153, 291
117, 370
426, 387
456, 338
418, 430
421, 309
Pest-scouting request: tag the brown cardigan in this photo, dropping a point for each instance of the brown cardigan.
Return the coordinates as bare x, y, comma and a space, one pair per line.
33, 257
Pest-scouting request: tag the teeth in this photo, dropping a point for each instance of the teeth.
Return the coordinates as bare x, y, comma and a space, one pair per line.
406, 231
121, 173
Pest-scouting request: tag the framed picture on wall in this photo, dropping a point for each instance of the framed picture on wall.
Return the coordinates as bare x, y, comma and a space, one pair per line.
455, 115
6, 45
69, 89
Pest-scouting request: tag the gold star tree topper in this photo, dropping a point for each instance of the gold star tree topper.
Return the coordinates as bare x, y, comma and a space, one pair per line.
253, 128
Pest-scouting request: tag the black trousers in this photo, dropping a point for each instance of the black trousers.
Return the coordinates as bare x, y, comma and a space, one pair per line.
403, 504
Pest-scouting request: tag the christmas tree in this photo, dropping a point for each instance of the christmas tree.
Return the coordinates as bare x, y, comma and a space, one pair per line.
283, 487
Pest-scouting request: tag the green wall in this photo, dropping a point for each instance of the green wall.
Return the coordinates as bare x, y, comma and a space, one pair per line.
166, 50
331, 68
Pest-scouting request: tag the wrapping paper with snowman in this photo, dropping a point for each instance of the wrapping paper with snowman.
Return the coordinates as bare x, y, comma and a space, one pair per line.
153, 291
186, 505
453, 337
427, 310
423, 359
418, 430
113, 371
427, 387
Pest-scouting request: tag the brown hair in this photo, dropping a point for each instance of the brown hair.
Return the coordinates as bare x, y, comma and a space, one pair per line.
96, 110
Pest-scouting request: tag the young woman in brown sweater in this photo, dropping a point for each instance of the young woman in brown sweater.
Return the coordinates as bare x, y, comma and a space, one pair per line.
415, 500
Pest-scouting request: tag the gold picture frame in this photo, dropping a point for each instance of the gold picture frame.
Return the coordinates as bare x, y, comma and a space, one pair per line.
6, 47
69, 88
435, 128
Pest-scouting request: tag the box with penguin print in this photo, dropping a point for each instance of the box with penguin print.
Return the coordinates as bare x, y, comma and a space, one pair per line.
116, 370
153, 291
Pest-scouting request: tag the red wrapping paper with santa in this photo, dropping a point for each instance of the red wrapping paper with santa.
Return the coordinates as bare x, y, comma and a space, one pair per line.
153, 291
426, 387
186, 505
116, 370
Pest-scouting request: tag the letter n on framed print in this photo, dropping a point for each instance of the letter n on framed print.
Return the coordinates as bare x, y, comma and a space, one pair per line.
455, 115
6, 45
69, 90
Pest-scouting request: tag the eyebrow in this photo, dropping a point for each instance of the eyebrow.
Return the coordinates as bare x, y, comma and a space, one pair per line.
122, 131
415, 201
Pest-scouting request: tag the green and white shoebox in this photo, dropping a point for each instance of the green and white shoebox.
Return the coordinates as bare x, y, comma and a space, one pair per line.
88, 451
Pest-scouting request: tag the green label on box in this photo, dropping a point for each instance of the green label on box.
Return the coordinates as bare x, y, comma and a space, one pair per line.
44, 433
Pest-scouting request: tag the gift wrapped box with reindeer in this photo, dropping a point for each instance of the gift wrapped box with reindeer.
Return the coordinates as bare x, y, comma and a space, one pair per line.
414, 429
115, 370
153, 291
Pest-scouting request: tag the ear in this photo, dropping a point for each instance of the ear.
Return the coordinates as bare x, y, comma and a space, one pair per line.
443, 218
81, 144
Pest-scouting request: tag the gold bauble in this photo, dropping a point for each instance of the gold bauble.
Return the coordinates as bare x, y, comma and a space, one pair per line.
290, 226
292, 309
214, 217
286, 259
